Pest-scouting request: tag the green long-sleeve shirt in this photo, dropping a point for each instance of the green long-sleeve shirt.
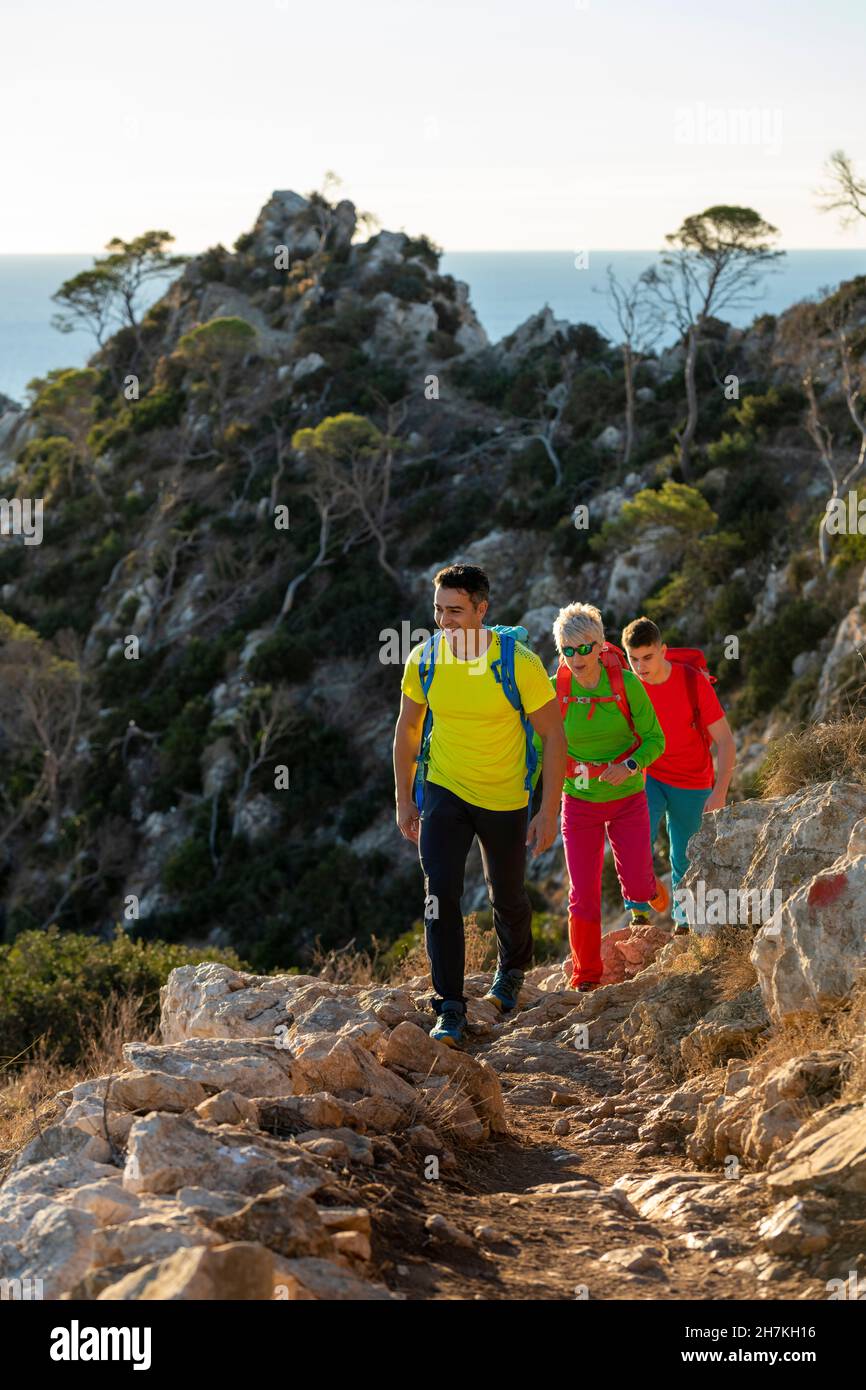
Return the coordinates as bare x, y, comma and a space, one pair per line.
607, 734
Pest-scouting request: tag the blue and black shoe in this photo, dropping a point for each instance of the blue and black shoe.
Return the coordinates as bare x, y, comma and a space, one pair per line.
450, 1026
505, 990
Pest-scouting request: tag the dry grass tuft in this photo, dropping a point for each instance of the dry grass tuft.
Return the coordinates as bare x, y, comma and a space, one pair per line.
816, 753
843, 1027
344, 965
27, 1099
727, 950
481, 948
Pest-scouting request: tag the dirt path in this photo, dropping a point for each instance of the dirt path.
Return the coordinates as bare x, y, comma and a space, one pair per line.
554, 1247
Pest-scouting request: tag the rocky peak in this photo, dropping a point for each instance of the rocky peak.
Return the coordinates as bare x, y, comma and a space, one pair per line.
289, 219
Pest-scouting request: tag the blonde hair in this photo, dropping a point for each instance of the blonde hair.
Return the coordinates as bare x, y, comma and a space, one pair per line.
576, 623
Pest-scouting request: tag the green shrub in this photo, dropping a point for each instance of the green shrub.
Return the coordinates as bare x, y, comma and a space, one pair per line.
52, 983
180, 753
407, 281
189, 869
157, 410
282, 657
848, 549
423, 249
769, 651
781, 405
731, 450
11, 562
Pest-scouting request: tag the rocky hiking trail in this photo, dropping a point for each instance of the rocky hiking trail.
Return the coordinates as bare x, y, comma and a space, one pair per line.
679, 1133
295, 1138
583, 1212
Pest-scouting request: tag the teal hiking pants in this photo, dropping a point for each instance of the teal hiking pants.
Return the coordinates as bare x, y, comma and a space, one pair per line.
684, 808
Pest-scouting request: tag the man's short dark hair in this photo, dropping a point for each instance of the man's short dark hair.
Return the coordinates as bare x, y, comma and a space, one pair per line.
469, 579
641, 633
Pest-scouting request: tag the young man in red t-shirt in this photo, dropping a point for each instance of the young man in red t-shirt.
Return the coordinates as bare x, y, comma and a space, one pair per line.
681, 784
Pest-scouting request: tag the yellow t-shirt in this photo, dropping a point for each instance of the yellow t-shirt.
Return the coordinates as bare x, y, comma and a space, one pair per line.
478, 747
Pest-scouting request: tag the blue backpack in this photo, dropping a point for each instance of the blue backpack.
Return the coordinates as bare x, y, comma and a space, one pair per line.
503, 671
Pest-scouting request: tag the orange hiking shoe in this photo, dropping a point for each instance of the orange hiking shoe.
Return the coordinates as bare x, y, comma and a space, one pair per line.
662, 899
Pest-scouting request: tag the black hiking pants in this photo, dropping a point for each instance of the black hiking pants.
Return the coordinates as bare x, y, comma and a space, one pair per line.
448, 827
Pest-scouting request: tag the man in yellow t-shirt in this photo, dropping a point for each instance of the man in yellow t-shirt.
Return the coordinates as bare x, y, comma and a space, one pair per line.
475, 785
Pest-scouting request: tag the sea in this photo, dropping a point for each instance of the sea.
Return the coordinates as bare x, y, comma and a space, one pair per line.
506, 287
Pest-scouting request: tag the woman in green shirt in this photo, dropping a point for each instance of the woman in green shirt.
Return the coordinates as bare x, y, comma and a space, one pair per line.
604, 788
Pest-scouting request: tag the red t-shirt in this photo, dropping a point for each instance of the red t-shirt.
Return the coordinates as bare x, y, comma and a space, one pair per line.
686, 761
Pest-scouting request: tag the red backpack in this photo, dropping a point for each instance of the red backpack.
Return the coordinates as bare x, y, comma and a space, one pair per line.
613, 659
694, 665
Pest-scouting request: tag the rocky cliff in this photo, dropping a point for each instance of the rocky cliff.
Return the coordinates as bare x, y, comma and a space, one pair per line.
211, 602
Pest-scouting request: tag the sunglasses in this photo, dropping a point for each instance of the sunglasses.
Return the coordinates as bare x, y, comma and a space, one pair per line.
583, 650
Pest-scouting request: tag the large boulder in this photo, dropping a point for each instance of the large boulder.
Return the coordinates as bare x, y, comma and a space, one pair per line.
211, 1000
811, 959
795, 867
775, 844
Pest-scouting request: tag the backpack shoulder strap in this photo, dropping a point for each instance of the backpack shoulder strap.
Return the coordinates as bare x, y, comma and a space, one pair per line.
427, 661
692, 676
617, 685
563, 687
503, 672
503, 669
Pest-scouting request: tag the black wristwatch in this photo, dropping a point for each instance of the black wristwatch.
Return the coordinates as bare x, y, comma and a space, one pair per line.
631, 764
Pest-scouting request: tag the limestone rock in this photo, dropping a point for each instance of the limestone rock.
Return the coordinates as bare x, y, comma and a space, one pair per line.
240, 1271
343, 1066
795, 1228
251, 1066
832, 1158
668, 1009
211, 1000
727, 1030
311, 1278
811, 959
848, 640
763, 1107
290, 1226
57, 1247
228, 1108
318, 1111
410, 1046
628, 950
443, 1229
170, 1151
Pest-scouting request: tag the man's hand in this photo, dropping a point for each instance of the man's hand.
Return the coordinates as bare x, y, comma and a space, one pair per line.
409, 822
715, 801
542, 831
616, 773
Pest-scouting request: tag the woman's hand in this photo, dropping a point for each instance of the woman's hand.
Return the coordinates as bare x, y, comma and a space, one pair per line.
615, 774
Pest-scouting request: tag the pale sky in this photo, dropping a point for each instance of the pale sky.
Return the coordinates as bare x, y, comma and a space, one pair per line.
555, 124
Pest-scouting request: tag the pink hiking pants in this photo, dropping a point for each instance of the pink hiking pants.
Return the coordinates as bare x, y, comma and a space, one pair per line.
583, 826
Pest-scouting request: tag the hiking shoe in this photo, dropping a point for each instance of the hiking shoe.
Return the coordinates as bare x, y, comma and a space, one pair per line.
505, 989
661, 901
450, 1026
639, 919
588, 985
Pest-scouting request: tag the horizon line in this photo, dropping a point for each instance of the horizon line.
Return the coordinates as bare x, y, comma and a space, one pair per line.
469, 250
